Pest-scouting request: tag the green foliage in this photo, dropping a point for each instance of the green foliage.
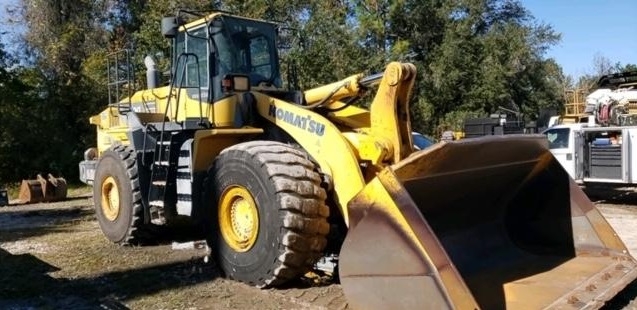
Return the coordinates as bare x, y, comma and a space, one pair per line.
48, 96
626, 68
478, 55
473, 56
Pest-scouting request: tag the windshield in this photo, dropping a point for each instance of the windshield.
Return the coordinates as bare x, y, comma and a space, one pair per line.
558, 137
246, 47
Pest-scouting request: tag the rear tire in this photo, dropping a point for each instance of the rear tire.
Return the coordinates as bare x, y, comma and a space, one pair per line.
117, 197
269, 218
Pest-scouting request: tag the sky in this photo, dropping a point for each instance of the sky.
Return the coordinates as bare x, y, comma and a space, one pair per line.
589, 27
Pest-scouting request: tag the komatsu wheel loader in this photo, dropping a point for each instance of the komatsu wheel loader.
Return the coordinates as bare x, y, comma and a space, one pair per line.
281, 178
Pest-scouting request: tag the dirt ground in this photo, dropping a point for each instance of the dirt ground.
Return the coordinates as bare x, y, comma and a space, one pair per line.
53, 256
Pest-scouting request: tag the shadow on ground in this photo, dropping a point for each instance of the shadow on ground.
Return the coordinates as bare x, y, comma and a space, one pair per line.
623, 299
620, 195
22, 223
16, 225
25, 283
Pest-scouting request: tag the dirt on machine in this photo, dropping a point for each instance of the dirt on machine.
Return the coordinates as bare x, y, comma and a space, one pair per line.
276, 179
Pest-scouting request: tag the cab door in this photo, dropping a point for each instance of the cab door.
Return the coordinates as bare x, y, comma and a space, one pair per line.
562, 143
577, 144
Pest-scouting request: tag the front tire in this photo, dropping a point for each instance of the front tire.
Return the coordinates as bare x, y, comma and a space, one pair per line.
117, 196
269, 218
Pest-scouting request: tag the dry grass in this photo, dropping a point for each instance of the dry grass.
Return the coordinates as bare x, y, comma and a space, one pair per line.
54, 256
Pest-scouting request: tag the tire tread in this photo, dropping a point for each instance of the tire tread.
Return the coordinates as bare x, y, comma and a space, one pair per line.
301, 203
136, 233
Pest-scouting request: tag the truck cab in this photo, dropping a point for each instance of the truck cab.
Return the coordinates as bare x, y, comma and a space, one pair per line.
563, 143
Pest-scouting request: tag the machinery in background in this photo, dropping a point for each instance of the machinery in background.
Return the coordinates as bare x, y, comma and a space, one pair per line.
504, 122
279, 178
42, 189
599, 143
574, 108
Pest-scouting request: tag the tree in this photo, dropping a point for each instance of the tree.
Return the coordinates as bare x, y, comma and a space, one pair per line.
619, 67
602, 65
56, 96
474, 56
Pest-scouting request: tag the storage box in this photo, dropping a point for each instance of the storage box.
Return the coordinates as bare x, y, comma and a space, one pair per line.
605, 162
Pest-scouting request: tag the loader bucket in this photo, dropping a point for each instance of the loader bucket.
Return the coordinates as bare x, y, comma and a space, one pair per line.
490, 223
43, 190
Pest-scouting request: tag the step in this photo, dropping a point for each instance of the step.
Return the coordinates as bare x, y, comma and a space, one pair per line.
157, 212
157, 217
159, 183
157, 203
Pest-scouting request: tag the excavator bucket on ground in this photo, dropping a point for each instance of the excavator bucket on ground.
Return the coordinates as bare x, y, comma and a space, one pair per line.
43, 190
490, 223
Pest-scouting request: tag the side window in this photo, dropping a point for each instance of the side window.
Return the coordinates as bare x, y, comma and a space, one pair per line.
558, 138
181, 43
196, 43
180, 47
260, 56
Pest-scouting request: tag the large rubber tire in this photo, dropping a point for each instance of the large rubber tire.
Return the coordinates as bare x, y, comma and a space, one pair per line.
116, 177
292, 215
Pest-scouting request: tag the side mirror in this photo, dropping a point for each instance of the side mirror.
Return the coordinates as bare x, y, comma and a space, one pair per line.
215, 26
235, 83
169, 26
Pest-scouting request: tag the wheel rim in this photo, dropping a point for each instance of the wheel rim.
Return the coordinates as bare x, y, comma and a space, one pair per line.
238, 218
110, 199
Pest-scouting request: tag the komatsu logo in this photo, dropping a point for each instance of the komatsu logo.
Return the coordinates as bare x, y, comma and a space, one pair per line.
303, 122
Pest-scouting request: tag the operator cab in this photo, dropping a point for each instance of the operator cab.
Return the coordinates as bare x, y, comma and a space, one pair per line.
225, 47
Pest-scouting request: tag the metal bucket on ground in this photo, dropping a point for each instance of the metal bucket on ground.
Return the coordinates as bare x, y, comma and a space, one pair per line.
43, 190
491, 223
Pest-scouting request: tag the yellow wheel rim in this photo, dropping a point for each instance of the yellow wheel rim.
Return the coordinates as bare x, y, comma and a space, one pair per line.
238, 218
110, 199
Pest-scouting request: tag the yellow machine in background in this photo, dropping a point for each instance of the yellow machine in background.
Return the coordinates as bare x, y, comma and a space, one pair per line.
574, 107
280, 178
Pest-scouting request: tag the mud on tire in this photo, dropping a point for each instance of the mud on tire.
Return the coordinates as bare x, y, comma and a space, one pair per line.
118, 167
292, 214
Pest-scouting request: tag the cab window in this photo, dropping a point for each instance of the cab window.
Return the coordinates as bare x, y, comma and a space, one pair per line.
260, 57
246, 47
193, 41
558, 137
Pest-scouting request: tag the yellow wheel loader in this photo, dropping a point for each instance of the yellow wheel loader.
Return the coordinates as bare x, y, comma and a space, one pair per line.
281, 178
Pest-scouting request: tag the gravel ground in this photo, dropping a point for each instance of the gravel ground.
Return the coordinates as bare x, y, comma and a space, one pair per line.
53, 256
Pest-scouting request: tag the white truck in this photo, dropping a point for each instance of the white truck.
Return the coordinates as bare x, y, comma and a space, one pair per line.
596, 154
603, 150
